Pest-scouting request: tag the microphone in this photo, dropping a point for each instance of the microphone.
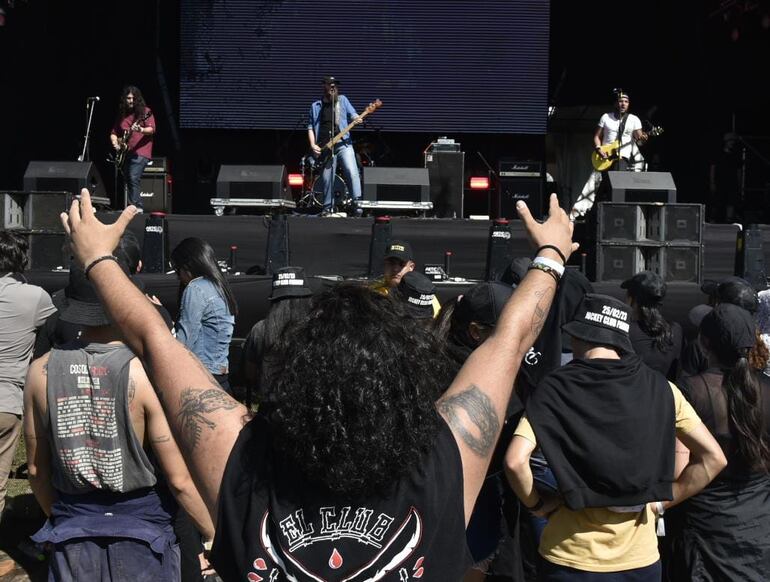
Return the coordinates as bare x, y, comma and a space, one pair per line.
94, 98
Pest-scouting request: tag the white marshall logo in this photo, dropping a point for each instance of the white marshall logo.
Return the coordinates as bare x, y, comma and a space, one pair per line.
146, 194
501, 234
153, 229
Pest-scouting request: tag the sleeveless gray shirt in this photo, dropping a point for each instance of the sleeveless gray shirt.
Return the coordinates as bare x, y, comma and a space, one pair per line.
93, 443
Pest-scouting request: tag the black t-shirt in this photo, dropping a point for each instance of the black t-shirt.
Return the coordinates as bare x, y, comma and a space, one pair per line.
325, 131
273, 526
664, 361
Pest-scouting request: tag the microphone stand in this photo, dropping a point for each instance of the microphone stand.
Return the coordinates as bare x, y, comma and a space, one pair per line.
492, 174
85, 155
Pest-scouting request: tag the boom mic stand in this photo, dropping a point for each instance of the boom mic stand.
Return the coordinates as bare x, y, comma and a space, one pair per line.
85, 155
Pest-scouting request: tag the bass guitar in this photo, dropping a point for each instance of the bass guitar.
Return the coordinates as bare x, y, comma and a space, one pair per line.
612, 150
328, 147
122, 152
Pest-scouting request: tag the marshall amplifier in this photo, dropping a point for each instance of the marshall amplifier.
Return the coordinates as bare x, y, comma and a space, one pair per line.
155, 192
520, 180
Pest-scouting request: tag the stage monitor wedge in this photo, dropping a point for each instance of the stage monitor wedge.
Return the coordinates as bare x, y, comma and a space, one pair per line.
64, 176
253, 182
642, 187
396, 184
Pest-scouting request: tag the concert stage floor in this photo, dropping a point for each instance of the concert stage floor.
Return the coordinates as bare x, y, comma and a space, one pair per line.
338, 248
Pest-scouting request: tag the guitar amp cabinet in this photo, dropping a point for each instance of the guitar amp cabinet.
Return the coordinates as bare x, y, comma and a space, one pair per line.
519, 180
155, 192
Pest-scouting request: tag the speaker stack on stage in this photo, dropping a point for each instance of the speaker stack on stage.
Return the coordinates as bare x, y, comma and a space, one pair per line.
445, 163
664, 238
520, 180
262, 187
155, 186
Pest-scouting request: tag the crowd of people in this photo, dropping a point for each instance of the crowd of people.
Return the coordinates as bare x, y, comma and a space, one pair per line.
528, 429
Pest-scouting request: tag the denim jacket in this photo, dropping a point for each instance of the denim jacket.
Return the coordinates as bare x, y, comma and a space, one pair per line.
205, 324
345, 115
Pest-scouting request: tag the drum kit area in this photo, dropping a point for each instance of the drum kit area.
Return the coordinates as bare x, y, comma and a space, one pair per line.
311, 199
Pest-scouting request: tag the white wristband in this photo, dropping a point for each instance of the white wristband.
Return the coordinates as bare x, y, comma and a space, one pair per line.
555, 265
659, 508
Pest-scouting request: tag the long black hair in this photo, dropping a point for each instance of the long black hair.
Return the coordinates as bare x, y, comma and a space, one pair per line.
744, 404
196, 256
139, 105
355, 384
653, 324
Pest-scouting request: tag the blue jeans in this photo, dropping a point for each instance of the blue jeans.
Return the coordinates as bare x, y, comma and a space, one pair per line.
544, 482
132, 173
346, 156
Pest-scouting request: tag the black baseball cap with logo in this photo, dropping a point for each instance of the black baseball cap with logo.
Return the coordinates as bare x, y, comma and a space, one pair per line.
289, 282
601, 320
399, 249
418, 294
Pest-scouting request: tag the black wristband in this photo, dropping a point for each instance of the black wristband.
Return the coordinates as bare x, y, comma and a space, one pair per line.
556, 250
537, 506
97, 261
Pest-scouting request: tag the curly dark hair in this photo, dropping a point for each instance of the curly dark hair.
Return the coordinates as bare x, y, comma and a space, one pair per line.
355, 384
139, 105
13, 252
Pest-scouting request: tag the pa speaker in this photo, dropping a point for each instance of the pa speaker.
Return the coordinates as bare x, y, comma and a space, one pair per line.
682, 264
382, 230
257, 182
750, 257
396, 184
47, 250
499, 250
67, 176
155, 193
684, 223
155, 244
642, 187
277, 251
446, 172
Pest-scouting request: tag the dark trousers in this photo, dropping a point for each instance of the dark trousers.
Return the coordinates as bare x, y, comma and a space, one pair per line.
551, 572
132, 174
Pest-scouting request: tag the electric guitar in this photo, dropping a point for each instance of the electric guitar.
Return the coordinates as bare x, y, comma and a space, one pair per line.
612, 150
328, 148
122, 152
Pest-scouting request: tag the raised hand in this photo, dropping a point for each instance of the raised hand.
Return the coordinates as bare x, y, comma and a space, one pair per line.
556, 230
90, 238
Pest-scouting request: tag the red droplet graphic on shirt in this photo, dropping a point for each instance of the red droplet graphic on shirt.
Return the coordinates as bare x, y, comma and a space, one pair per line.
419, 573
254, 577
259, 564
418, 563
335, 560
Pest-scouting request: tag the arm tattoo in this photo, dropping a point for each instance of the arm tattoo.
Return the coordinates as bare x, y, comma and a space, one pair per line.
194, 405
540, 313
482, 417
131, 389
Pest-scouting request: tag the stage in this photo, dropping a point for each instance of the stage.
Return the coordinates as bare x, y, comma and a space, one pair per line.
337, 249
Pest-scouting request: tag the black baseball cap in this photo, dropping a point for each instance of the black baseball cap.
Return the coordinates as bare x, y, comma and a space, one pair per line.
711, 286
646, 287
331, 80
484, 302
289, 282
731, 326
399, 249
601, 320
418, 294
738, 292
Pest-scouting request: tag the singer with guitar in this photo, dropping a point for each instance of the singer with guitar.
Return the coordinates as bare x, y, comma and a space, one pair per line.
132, 138
622, 126
328, 116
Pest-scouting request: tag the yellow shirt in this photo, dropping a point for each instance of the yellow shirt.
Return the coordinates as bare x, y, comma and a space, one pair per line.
600, 540
382, 287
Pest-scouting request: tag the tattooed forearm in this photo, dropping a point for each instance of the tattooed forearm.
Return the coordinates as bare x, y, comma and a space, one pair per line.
194, 406
542, 307
131, 389
479, 425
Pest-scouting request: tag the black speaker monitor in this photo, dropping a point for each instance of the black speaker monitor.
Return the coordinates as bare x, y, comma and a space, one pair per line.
642, 186
396, 184
66, 176
520, 180
258, 182
155, 193
155, 245
382, 230
446, 171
